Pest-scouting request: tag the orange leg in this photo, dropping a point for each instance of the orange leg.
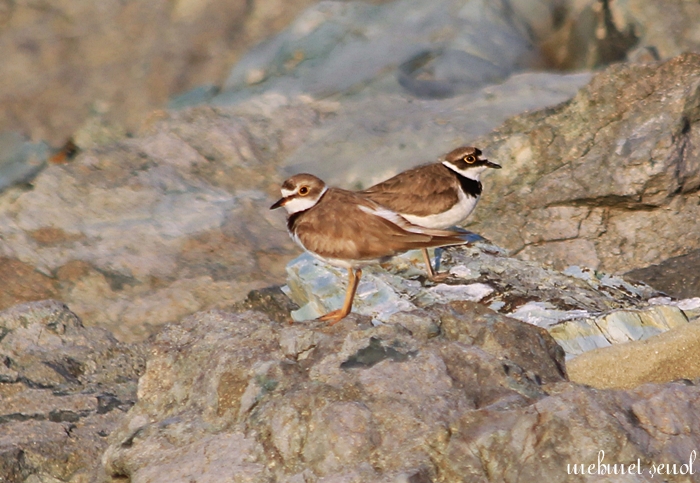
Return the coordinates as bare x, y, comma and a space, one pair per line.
337, 315
435, 277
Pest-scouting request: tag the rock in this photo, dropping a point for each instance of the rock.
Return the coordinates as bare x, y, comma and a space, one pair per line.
241, 398
325, 402
572, 427
608, 180
433, 50
63, 389
61, 63
678, 276
20, 160
592, 33
148, 230
368, 140
664, 357
580, 308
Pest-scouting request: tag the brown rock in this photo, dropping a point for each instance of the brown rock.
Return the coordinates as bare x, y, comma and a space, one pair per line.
593, 33
20, 282
472, 323
678, 276
665, 357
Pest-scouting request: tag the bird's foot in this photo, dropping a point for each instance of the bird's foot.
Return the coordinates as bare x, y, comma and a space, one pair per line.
439, 277
332, 317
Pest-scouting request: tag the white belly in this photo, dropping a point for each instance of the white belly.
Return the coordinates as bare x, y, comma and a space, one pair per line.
451, 217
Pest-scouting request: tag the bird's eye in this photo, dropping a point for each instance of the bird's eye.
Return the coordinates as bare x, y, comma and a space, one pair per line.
470, 159
304, 190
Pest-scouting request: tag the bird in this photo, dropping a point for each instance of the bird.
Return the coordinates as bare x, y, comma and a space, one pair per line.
347, 230
435, 195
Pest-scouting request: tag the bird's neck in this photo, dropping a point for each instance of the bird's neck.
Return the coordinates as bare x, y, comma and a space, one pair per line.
467, 180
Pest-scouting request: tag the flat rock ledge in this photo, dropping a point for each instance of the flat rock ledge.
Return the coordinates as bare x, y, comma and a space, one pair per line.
582, 309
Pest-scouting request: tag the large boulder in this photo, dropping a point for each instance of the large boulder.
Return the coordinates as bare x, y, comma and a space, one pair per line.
609, 179
429, 396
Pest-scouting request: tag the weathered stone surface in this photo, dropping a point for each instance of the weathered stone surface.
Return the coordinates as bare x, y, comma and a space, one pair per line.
368, 139
123, 60
63, 389
608, 180
280, 399
20, 160
154, 228
240, 398
678, 276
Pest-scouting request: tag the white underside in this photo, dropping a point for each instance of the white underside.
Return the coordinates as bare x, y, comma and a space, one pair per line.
451, 217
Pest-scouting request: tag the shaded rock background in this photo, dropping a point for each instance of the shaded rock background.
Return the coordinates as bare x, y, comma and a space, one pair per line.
120, 59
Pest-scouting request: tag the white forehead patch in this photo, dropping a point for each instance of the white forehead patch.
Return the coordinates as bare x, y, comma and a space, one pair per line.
286, 192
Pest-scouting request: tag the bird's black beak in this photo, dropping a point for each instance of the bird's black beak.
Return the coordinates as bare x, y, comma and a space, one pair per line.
278, 203
492, 165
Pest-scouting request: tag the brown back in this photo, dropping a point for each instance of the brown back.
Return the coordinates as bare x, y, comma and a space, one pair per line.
421, 191
350, 233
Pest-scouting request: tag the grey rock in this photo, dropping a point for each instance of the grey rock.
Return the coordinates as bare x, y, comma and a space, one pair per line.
63, 389
485, 399
582, 309
322, 400
436, 49
608, 180
150, 229
368, 137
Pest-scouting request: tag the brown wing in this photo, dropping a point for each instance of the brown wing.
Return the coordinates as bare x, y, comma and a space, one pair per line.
421, 191
338, 228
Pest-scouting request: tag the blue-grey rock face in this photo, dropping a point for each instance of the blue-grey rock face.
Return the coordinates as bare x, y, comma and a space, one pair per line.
20, 160
432, 49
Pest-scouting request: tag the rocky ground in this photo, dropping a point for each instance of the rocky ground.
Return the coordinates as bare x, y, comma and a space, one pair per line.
144, 336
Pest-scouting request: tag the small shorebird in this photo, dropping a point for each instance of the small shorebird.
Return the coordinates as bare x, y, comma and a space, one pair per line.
436, 195
347, 230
